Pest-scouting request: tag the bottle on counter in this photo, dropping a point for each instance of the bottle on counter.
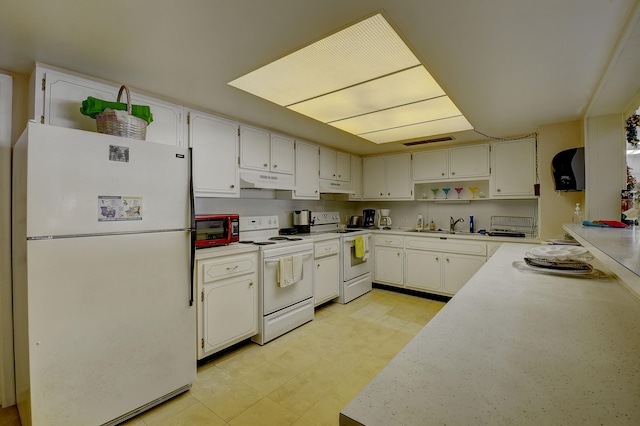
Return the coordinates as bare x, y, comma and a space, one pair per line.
432, 226
577, 214
471, 224
420, 221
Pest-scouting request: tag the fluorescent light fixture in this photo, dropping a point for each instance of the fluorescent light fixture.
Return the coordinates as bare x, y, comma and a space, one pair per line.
363, 80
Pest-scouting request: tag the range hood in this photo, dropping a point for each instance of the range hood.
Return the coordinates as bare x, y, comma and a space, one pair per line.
335, 187
250, 179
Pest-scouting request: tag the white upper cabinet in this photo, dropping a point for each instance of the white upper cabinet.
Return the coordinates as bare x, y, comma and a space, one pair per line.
464, 162
255, 148
307, 170
387, 177
431, 165
335, 165
356, 178
282, 154
265, 151
214, 143
58, 95
469, 161
514, 169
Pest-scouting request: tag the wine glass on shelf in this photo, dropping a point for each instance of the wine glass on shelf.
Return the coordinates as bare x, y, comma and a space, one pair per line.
458, 190
435, 192
473, 190
446, 192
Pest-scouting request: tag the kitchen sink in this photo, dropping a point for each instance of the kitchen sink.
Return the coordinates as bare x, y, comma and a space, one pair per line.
440, 231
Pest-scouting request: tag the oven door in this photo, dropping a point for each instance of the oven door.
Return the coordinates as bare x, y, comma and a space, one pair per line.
353, 266
276, 297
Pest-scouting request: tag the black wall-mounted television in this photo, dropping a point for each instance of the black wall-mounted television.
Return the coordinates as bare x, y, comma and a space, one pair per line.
568, 170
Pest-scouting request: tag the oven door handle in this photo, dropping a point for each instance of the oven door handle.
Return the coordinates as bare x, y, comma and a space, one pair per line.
352, 239
278, 260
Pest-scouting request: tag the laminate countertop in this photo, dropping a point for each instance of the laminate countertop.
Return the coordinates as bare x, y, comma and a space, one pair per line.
515, 347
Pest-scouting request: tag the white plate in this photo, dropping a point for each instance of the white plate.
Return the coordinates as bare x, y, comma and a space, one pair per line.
559, 252
595, 273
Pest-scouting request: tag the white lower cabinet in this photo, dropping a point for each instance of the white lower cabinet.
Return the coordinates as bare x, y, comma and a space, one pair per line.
388, 261
326, 271
424, 270
227, 304
434, 265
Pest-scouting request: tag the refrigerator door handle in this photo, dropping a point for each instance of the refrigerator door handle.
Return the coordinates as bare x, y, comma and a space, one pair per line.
192, 210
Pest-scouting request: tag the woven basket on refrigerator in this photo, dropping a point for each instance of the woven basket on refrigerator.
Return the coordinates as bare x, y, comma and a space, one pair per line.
119, 124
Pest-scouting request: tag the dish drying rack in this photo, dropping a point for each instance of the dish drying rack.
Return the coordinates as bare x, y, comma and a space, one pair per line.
513, 226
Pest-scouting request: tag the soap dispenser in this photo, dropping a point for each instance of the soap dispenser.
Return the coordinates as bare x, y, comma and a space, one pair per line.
432, 226
420, 222
577, 215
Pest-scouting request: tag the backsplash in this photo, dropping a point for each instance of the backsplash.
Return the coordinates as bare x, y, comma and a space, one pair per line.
403, 213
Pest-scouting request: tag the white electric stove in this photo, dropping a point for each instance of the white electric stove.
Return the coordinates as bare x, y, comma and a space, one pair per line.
355, 271
281, 307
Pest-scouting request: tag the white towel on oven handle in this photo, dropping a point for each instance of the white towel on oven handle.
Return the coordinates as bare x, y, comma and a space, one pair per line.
289, 270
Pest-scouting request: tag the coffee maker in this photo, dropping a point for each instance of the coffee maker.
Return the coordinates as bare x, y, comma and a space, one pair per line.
369, 218
384, 219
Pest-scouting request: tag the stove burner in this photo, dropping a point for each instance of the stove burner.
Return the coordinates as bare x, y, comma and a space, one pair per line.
294, 239
264, 243
279, 238
246, 242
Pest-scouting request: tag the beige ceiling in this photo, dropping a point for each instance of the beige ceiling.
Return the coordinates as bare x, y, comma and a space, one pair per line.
509, 65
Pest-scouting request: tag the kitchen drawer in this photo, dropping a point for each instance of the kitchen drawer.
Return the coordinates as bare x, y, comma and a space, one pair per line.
213, 270
389, 240
448, 246
326, 248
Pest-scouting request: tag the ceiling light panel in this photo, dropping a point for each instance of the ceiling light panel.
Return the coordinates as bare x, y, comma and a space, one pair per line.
418, 112
361, 52
437, 127
397, 89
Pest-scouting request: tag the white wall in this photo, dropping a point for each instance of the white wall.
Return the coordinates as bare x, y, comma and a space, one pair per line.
7, 394
605, 157
556, 207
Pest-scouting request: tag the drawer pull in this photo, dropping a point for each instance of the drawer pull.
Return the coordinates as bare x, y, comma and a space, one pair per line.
232, 268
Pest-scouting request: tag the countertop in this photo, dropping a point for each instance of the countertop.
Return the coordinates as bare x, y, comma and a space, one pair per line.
407, 232
233, 248
515, 347
617, 248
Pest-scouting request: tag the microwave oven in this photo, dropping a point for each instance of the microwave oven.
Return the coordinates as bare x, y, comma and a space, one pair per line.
216, 230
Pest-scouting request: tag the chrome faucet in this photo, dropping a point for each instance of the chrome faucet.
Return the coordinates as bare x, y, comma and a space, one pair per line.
453, 223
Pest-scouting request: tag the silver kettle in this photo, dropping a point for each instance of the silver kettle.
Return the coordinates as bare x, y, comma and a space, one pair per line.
302, 221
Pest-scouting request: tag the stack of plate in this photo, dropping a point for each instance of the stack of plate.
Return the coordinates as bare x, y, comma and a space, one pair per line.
560, 259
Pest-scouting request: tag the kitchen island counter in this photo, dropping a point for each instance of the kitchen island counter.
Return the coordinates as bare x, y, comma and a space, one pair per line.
515, 347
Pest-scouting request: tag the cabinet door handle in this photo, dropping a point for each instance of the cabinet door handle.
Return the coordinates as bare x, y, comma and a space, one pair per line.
498, 189
275, 166
250, 283
442, 174
447, 260
388, 193
232, 186
265, 165
398, 253
381, 193
437, 259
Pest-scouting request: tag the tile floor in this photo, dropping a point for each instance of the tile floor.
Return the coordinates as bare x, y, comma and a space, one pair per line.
302, 378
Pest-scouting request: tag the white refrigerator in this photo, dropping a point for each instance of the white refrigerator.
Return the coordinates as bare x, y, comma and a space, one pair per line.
104, 321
